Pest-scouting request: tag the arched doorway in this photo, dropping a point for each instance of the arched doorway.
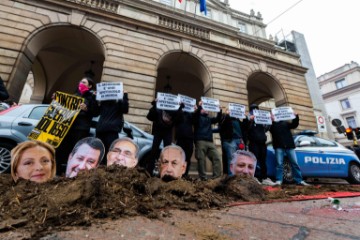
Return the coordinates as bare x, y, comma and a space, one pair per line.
182, 73
265, 91
57, 56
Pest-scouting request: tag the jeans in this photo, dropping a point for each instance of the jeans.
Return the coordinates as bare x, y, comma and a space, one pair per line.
279, 153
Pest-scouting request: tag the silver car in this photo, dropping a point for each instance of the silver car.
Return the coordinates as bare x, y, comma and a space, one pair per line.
17, 122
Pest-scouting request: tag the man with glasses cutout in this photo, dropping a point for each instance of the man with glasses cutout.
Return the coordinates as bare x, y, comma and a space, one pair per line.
124, 152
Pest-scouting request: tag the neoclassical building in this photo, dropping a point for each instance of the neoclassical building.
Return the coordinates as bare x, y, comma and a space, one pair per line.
149, 45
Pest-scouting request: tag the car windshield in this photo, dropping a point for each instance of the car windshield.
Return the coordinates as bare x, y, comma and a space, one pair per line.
313, 141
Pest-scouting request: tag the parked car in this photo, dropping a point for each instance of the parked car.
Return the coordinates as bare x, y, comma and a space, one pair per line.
17, 122
318, 158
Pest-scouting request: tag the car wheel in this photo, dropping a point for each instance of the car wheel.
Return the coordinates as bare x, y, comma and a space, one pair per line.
354, 173
287, 173
5, 157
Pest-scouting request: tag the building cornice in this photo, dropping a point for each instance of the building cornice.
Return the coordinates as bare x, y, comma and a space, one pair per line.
348, 89
338, 76
185, 25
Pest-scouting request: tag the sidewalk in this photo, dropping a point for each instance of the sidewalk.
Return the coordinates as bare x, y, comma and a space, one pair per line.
314, 219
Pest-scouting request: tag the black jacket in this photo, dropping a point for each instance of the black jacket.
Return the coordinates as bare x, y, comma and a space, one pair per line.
111, 115
163, 120
281, 133
84, 118
256, 133
184, 129
202, 125
226, 128
3, 92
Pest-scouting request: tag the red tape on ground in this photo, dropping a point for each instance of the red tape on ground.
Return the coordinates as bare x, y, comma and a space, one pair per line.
324, 195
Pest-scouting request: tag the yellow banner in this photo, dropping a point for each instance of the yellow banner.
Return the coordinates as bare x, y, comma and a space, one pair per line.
57, 120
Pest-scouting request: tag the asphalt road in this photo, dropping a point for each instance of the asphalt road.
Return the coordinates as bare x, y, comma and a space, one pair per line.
314, 219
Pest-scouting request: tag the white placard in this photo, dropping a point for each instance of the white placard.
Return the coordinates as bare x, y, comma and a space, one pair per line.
167, 101
188, 102
237, 110
283, 113
262, 117
109, 91
210, 104
321, 123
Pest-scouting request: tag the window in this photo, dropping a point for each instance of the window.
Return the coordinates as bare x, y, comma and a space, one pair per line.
242, 27
167, 2
38, 112
326, 143
345, 104
340, 84
310, 139
351, 122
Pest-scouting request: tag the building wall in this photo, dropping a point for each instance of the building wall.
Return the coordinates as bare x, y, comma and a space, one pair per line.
333, 96
136, 36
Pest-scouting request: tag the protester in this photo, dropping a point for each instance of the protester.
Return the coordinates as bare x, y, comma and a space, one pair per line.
243, 163
163, 123
82, 124
124, 152
111, 120
34, 161
87, 154
204, 146
184, 135
283, 142
3, 91
172, 162
231, 134
257, 144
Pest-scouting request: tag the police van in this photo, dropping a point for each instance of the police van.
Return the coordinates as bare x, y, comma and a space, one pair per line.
318, 158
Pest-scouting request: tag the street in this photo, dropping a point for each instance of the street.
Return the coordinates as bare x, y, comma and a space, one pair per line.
314, 219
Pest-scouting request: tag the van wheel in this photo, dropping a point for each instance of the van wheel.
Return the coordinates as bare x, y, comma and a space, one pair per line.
5, 157
354, 173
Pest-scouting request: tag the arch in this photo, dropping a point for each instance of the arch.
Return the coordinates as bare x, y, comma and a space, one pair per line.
263, 87
58, 56
185, 73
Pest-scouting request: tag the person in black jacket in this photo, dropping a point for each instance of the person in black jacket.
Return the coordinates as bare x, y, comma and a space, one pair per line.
111, 120
163, 123
231, 134
257, 145
184, 134
81, 125
283, 142
204, 146
3, 92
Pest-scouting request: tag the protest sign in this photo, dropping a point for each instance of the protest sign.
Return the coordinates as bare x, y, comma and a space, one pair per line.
237, 110
210, 104
188, 102
109, 91
283, 113
57, 120
262, 117
167, 101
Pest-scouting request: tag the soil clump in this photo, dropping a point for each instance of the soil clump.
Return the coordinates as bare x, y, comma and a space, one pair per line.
116, 192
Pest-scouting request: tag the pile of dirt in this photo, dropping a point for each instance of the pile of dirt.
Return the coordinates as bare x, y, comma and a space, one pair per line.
116, 192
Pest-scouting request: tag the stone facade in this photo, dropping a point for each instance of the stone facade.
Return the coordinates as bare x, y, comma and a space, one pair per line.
143, 43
